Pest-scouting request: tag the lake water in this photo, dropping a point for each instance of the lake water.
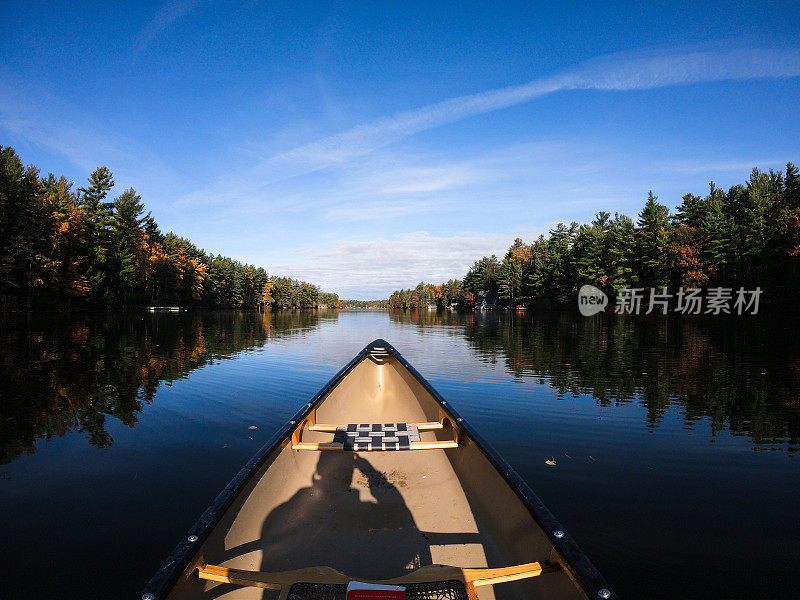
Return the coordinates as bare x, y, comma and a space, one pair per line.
675, 441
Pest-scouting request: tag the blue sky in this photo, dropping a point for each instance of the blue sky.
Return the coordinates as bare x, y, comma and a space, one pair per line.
369, 146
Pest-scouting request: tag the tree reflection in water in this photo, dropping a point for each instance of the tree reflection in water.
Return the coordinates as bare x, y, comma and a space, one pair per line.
61, 374
741, 373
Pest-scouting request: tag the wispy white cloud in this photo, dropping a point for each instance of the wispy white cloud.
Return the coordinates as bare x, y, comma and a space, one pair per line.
381, 210
164, 17
384, 189
623, 72
388, 185
496, 188
423, 180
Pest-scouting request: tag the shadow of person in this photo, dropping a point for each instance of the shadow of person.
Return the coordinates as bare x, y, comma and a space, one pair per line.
335, 523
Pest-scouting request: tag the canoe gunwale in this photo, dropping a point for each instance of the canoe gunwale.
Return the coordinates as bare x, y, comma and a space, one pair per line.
180, 563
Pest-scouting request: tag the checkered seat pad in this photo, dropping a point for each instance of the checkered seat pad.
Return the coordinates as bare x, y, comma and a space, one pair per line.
379, 436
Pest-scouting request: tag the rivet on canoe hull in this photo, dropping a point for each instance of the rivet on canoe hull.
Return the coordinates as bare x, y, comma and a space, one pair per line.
192, 538
148, 597
291, 422
558, 533
604, 593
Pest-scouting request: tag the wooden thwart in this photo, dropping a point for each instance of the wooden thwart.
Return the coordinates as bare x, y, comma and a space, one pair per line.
311, 422
479, 577
256, 579
276, 581
333, 428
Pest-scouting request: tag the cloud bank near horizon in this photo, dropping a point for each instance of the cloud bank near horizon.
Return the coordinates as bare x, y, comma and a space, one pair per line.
392, 263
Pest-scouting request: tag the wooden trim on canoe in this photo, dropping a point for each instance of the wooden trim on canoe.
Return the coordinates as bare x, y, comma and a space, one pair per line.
256, 579
276, 581
479, 577
311, 421
333, 428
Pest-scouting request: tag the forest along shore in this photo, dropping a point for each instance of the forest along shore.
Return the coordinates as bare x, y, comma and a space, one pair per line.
746, 237
65, 248
76, 249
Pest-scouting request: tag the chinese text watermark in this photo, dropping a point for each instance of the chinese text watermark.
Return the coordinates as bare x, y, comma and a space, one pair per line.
686, 301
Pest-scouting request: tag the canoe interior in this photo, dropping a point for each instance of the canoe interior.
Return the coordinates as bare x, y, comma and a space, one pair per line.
377, 515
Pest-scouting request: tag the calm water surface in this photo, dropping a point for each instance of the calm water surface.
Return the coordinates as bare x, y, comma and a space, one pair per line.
676, 442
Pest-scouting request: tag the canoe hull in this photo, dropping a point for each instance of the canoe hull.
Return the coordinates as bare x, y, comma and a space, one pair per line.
377, 515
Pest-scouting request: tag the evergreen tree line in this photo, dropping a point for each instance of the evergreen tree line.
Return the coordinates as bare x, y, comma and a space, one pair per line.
746, 237
427, 295
363, 304
61, 247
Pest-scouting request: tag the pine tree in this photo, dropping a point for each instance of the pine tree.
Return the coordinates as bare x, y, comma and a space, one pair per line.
653, 242
483, 275
128, 266
791, 187
98, 215
536, 275
692, 210
785, 250
514, 271
558, 279
755, 219
622, 253
590, 252
25, 233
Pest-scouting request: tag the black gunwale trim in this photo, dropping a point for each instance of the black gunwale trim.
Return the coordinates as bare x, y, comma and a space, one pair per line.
182, 556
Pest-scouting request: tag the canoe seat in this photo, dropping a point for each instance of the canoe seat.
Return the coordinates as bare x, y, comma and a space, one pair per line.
380, 436
433, 581
374, 437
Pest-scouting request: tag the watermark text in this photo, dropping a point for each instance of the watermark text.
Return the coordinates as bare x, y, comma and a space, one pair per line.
686, 301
